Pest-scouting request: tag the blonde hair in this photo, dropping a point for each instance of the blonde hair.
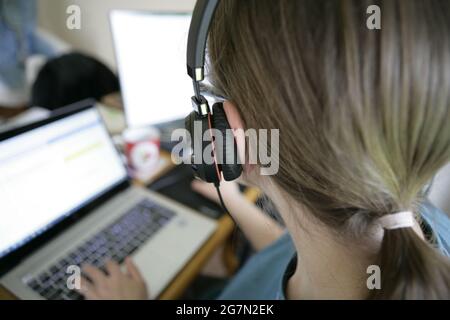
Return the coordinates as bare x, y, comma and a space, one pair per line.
363, 114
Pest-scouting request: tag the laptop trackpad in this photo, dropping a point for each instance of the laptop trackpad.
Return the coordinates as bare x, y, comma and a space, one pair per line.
164, 255
156, 270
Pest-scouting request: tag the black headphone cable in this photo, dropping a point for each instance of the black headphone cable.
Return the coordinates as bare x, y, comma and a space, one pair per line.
222, 203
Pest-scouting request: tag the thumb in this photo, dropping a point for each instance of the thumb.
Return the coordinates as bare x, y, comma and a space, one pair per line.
133, 271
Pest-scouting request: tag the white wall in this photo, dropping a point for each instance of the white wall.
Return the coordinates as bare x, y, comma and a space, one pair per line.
95, 37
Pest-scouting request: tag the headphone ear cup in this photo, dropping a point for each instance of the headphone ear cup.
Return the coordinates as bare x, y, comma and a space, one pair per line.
231, 171
204, 171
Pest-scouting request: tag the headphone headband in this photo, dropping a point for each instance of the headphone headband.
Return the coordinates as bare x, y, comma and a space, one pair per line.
198, 35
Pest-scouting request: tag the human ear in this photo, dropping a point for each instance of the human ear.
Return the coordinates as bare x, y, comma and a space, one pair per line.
237, 125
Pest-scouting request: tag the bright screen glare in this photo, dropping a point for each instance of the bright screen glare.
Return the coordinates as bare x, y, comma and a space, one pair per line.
151, 57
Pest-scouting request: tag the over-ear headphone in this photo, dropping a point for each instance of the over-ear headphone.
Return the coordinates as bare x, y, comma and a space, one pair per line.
223, 149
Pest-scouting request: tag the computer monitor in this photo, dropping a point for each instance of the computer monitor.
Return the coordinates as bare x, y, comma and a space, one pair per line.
151, 57
49, 172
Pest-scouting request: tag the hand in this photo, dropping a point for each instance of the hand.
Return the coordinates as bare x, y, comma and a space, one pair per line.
116, 285
229, 190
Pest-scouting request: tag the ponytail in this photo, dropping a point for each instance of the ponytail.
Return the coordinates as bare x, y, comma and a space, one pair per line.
411, 268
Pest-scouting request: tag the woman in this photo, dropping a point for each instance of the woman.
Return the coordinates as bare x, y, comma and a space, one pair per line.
363, 117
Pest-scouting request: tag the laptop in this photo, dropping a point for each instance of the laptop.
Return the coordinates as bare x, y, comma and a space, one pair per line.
66, 200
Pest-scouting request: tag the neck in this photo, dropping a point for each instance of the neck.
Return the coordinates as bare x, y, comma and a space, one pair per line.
327, 267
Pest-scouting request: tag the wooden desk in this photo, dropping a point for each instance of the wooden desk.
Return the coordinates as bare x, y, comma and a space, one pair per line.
179, 284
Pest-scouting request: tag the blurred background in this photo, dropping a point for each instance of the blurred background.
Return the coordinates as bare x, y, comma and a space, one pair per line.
95, 35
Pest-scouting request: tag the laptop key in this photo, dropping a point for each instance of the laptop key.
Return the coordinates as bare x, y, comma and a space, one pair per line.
55, 295
63, 264
54, 269
44, 277
33, 284
73, 295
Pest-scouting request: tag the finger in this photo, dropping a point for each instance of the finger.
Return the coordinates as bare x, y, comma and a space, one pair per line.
95, 274
133, 270
204, 189
87, 289
113, 268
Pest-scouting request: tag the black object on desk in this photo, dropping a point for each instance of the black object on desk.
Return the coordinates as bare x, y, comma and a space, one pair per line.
177, 185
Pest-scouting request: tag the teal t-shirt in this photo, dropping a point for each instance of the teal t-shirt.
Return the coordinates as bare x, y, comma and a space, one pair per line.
265, 275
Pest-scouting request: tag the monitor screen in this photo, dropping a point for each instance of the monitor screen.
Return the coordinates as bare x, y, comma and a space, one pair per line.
151, 57
50, 172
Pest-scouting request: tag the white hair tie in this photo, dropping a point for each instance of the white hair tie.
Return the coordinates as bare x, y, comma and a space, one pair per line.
404, 219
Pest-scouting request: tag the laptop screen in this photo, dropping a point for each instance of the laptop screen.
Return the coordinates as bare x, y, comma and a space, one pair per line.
50, 172
151, 57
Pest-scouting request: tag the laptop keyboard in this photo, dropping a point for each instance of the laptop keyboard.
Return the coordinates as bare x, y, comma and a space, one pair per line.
116, 242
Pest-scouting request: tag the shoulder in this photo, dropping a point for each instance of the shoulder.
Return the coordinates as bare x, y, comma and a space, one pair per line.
262, 276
